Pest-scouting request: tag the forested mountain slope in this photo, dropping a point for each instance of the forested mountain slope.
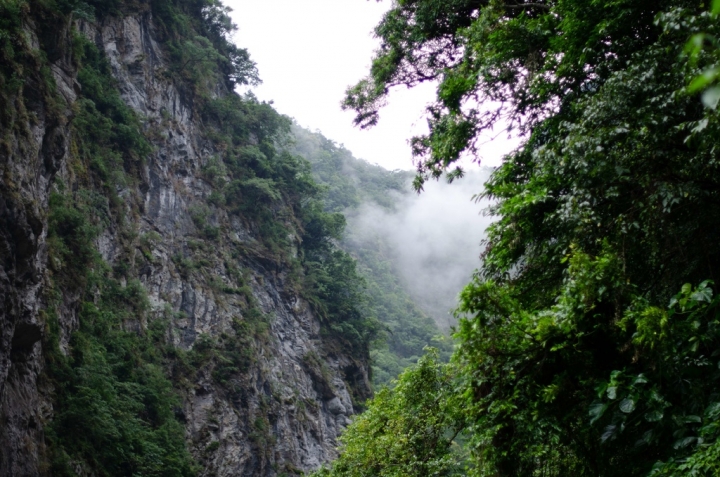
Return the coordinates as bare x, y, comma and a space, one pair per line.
353, 185
169, 282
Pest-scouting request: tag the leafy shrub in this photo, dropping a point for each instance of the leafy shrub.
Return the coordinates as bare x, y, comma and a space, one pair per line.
114, 404
406, 431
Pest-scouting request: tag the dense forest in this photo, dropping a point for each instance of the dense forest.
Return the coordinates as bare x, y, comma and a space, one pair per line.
589, 338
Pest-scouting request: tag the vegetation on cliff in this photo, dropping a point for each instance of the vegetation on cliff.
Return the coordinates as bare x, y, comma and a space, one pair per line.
114, 403
115, 378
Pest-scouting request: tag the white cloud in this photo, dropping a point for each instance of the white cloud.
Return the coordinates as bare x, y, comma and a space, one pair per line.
308, 52
435, 237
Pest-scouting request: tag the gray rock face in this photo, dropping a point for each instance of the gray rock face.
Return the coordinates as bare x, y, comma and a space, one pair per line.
30, 155
284, 413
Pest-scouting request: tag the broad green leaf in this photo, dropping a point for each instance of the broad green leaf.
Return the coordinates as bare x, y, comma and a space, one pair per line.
627, 405
684, 442
654, 416
711, 97
612, 392
695, 43
702, 294
596, 411
609, 432
705, 79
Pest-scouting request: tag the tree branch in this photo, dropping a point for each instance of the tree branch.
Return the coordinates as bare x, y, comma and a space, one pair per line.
530, 5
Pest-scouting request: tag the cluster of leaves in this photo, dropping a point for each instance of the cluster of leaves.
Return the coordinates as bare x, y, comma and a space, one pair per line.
230, 355
26, 81
197, 34
107, 133
528, 59
351, 184
570, 359
10, 42
701, 44
114, 404
253, 178
409, 430
333, 285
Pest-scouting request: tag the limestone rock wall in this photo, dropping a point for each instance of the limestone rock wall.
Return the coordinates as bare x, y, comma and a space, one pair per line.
284, 413
32, 152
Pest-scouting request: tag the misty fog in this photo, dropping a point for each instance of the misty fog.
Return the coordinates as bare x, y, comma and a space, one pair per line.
435, 238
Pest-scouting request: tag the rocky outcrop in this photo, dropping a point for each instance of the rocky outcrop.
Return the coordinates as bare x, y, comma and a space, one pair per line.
281, 414
32, 149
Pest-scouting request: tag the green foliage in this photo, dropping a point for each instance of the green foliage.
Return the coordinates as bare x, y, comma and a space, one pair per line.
669, 399
70, 236
332, 284
25, 76
105, 120
107, 134
200, 215
703, 48
10, 23
114, 404
569, 359
406, 431
208, 57
524, 371
273, 190
336, 292
607, 182
409, 329
349, 181
527, 372
528, 59
232, 353
253, 178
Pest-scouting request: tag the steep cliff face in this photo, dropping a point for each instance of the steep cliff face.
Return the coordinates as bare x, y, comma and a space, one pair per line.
35, 135
263, 391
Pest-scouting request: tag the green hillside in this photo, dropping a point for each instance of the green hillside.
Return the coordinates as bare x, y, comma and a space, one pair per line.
352, 183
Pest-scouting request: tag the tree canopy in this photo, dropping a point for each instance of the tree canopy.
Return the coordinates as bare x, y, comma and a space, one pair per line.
589, 340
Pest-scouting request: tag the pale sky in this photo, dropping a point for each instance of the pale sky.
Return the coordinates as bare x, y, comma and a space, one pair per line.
309, 51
